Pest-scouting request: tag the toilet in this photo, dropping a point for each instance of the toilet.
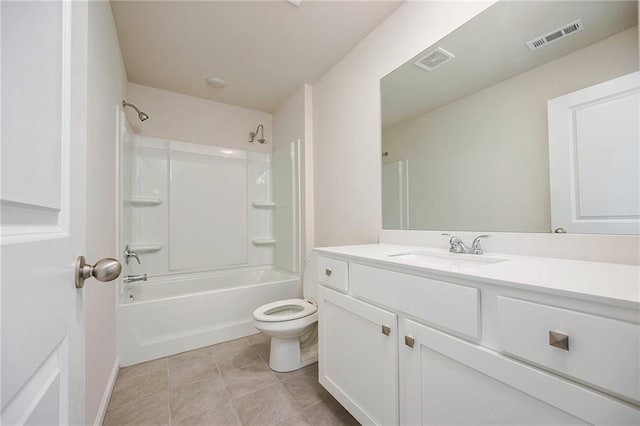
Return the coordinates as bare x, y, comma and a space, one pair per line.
292, 325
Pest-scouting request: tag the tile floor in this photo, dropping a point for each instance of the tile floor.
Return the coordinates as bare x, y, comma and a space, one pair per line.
225, 384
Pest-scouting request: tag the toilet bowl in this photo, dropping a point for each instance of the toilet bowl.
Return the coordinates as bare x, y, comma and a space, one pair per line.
292, 325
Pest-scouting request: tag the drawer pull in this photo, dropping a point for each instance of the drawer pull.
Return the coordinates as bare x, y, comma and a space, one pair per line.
409, 341
559, 340
386, 330
327, 272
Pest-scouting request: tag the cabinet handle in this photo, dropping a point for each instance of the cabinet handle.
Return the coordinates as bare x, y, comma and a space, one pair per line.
409, 341
327, 272
559, 340
386, 330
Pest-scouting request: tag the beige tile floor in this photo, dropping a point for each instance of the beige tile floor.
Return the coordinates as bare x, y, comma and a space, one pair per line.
225, 384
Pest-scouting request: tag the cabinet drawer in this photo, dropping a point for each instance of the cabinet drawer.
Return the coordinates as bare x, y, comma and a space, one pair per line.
333, 273
454, 307
598, 350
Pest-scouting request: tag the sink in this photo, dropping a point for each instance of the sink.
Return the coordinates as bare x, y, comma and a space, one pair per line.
446, 258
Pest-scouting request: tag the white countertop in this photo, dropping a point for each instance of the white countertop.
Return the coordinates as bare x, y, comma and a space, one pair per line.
609, 283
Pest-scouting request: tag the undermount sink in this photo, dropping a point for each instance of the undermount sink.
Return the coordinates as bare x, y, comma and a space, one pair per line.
424, 256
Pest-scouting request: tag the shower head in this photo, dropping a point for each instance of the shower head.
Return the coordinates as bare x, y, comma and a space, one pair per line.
252, 135
141, 115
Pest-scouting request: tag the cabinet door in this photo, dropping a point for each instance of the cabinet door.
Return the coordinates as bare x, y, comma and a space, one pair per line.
358, 357
450, 381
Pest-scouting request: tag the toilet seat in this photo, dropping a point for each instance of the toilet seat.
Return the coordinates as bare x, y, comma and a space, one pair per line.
284, 310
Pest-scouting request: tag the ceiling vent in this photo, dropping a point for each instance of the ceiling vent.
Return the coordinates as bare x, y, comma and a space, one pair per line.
434, 59
555, 35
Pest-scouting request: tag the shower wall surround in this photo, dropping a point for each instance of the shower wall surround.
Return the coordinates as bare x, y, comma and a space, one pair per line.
198, 208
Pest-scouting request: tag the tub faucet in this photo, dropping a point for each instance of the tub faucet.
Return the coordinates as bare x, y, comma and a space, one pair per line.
457, 245
134, 278
129, 253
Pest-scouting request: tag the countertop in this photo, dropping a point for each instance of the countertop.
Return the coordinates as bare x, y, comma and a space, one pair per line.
599, 282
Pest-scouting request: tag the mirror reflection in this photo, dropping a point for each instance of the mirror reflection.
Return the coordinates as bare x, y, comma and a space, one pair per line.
525, 119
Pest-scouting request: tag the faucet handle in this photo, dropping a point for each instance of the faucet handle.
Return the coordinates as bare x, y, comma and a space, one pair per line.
476, 245
454, 242
129, 253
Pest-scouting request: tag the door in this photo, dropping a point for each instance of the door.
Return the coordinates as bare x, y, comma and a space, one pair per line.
594, 158
44, 48
358, 357
394, 195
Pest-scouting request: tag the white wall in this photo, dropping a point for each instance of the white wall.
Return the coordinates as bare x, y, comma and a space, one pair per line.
190, 119
292, 121
501, 178
288, 119
346, 118
106, 89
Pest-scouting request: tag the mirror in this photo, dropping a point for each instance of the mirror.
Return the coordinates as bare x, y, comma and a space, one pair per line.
524, 119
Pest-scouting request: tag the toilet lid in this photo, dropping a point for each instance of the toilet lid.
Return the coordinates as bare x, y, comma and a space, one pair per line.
284, 310
310, 278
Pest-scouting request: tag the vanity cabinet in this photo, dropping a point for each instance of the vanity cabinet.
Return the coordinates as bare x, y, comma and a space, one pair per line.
451, 381
409, 348
358, 356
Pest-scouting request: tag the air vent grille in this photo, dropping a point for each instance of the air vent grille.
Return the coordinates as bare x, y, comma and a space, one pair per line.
434, 59
555, 35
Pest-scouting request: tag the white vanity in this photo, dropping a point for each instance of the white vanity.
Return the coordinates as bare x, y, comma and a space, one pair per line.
411, 335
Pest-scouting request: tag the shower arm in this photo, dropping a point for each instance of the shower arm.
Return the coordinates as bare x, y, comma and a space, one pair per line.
126, 104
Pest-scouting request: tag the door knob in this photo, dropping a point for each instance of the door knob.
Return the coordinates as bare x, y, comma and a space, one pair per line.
106, 269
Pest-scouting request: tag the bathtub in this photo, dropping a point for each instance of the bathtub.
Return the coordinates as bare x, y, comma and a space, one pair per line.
168, 315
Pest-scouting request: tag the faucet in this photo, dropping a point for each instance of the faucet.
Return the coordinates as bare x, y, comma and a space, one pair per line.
134, 278
128, 253
477, 247
458, 246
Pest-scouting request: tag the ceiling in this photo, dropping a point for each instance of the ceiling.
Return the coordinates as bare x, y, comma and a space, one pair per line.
491, 48
264, 50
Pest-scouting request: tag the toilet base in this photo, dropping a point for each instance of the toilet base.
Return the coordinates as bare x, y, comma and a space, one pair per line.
289, 354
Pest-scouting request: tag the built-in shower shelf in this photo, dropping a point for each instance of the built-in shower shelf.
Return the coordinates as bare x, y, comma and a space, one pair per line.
145, 201
264, 242
145, 248
263, 204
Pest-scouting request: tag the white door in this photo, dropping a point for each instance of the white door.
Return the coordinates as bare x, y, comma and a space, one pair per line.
594, 158
358, 356
394, 195
43, 201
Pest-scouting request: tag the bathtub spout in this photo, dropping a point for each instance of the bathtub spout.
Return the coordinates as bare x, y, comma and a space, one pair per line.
134, 278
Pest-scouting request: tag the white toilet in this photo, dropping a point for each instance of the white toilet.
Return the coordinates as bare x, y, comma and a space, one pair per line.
292, 325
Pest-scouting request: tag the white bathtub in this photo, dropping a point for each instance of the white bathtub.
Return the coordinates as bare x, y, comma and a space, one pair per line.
169, 315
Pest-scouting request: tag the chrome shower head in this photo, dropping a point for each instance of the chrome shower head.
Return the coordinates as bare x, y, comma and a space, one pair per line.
252, 135
141, 115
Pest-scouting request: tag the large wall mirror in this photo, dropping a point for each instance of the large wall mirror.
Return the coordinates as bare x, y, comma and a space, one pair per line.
525, 119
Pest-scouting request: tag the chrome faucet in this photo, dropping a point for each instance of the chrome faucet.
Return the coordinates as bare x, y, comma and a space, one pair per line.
477, 247
458, 246
128, 253
134, 278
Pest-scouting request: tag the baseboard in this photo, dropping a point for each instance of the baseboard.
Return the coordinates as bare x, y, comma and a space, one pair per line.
104, 404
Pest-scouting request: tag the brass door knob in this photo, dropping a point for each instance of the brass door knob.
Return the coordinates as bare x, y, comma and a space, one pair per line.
106, 269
